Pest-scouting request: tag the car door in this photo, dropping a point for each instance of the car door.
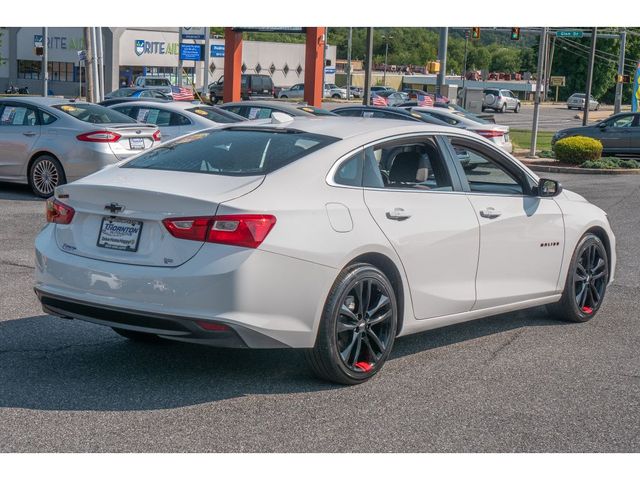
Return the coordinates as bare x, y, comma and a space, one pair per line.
634, 135
19, 132
616, 133
521, 234
411, 194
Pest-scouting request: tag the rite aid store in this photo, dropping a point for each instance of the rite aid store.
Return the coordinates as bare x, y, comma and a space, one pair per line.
129, 52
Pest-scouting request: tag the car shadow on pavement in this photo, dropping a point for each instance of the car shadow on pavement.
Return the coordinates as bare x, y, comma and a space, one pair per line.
48, 363
14, 191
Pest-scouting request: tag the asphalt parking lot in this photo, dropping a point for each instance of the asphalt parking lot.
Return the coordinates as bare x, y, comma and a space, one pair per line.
516, 382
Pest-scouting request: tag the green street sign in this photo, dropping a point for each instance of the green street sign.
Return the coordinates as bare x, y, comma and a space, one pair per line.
570, 33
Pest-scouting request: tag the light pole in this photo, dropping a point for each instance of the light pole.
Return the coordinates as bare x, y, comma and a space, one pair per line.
386, 55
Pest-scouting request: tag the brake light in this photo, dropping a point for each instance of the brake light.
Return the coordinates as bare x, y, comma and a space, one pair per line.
490, 133
100, 136
157, 136
238, 230
58, 212
212, 326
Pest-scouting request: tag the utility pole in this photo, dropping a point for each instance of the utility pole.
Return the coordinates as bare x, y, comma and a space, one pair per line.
464, 62
349, 40
536, 105
442, 54
551, 43
367, 73
623, 43
94, 59
386, 38
45, 62
207, 60
100, 80
592, 56
89, 64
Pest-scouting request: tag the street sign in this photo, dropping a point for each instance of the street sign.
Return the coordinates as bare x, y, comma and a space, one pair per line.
38, 41
569, 33
192, 33
217, 51
557, 81
191, 52
82, 55
329, 70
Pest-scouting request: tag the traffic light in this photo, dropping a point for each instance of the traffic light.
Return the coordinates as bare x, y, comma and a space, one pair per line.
515, 33
433, 67
475, 33
623, 78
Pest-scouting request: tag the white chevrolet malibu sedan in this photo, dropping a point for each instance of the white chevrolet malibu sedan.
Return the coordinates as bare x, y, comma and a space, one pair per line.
333, 235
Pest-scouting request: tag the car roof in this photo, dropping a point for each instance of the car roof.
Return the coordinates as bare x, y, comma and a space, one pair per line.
294, 108
350, 127
43, 101
174, 106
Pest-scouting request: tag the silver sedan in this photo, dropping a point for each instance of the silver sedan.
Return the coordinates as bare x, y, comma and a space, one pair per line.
46, 142
177, 118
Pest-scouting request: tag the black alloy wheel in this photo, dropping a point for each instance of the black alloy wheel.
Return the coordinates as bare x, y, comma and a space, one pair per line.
358, 327
586, 282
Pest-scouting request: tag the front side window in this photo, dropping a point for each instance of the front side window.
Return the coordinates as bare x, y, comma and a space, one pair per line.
483, 173
624, 121
414, 164
233, 151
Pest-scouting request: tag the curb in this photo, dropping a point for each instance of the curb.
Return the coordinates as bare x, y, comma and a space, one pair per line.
592, 171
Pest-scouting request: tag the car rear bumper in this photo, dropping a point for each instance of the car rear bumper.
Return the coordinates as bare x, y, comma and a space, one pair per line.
268, 300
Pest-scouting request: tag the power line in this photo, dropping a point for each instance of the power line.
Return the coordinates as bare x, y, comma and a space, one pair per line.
583, 51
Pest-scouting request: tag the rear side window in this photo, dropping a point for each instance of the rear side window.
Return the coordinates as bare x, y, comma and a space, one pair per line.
234, 151
93, 113
350, 172
219, 116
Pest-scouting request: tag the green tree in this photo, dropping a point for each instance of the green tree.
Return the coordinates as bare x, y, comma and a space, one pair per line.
479, 58
504, 59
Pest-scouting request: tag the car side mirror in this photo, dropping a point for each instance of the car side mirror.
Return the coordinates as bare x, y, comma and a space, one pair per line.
602, 126
548, 188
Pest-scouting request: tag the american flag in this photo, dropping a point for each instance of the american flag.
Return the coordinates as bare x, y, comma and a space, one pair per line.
181, 93
378, 101
424, 100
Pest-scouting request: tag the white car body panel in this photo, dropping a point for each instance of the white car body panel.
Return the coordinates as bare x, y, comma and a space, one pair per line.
278, 290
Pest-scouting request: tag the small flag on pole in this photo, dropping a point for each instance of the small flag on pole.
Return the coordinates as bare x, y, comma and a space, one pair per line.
424, 100
181, 93
378, 101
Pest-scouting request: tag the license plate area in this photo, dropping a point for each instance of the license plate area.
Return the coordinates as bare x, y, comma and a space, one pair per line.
136, 143
119, 234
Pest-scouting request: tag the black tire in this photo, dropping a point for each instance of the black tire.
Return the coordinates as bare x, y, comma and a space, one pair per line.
591, 275
503, 108
569, 108
46, 173
283, 96
336, 95
517, 109
484, 108
372, 342
137, 336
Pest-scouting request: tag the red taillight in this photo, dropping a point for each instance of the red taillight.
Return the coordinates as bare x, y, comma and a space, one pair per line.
189, 228
100, 136
490, 133
212, 327
58, 212
157, 136
239, 230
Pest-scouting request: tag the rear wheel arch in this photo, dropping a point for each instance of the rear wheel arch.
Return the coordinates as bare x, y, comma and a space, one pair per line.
42, 153
390, 270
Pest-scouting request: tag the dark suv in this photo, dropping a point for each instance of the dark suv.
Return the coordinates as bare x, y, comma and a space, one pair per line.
252, 87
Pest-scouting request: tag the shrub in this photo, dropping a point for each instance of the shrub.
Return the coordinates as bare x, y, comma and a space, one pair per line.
611, 163
577, 149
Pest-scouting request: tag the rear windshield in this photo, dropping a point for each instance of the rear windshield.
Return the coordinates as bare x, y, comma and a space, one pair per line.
233, 151
578, 95
123, 92
217, 115
93, 113
491, 92
157, 82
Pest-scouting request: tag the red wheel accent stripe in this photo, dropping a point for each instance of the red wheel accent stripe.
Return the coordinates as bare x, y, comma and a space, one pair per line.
587, 310
364, 366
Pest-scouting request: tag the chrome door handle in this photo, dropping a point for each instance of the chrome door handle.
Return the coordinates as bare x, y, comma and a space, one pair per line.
29, 134
398, 214
490, 212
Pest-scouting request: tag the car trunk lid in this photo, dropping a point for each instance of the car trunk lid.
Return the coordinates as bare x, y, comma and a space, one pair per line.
119, 212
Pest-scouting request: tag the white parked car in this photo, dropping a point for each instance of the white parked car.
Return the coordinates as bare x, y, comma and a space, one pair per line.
331, 90
498, 134
334, 235
177, 118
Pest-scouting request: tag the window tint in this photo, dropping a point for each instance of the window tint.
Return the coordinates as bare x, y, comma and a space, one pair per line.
484, 174
350, 172
18, 116
127, 110
233, 151
123, 92
621, 122
259, 112
160, 117
215, 115
47, 118
93, 113
415, 164
349, 113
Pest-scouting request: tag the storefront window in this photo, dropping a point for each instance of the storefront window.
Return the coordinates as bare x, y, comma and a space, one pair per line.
58, 71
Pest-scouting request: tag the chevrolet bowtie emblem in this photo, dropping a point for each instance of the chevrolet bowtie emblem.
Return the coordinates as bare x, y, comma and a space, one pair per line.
114, 207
